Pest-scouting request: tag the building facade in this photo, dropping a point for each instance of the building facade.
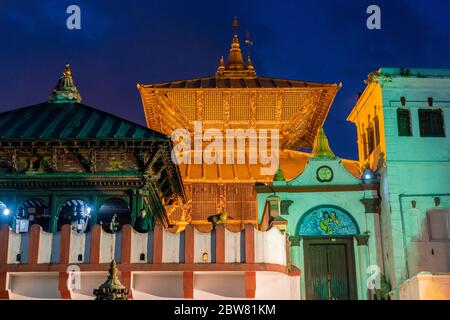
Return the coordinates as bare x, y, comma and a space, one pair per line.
402, 120
80, 187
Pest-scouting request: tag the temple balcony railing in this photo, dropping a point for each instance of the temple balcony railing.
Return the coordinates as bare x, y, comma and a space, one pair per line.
189, 250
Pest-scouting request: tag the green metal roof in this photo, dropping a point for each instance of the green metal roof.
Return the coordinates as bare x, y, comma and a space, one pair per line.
70, 121
63, 117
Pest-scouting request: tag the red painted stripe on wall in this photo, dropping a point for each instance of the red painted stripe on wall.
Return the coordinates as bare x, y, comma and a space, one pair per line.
188, 284
220, 244
96, 238
249, 243
189, 244
157, 244
34, 242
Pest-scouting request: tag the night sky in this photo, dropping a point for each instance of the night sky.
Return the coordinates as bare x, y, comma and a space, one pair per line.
125, 42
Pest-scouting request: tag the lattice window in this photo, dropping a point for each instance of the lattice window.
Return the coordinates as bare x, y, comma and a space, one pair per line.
240, 202
292, 102
404, 122
265, 106
240, 106
213, 106
204, 199
186, 101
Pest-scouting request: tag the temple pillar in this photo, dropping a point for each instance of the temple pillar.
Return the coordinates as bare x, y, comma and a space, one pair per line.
126, 244
189, 244
34, 244
296, 255
4, 277
220, 243
157, 244
362, 263
4, 291
188, 285
64, 259
249, 243
95, 245
250, 284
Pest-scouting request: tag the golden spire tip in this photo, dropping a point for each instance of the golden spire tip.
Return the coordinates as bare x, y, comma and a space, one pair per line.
235, 24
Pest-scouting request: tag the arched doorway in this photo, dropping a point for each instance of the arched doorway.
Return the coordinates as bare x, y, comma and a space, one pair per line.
113, 214
77, 213
327, 233
32, 211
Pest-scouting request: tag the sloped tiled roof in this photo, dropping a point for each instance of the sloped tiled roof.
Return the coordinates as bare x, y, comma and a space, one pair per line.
213, 82
70, 121
292, 163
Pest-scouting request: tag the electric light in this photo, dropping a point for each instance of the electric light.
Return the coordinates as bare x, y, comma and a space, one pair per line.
88, 210
368, 175
6, 212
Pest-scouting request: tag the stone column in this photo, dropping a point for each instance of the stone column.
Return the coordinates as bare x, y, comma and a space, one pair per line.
363, 263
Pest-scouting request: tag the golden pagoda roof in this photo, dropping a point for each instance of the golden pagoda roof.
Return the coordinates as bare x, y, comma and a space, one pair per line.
292, 164
238, 83
237, 98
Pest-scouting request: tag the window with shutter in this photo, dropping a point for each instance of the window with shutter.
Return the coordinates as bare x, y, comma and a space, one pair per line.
431, 123
404, 122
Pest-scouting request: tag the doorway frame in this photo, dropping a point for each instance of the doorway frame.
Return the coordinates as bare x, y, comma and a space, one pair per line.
351, 263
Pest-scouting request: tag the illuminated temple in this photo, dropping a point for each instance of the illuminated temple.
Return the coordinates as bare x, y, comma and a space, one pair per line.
82, 190
236, 98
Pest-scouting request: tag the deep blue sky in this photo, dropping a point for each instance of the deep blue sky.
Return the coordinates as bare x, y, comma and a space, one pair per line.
125, 42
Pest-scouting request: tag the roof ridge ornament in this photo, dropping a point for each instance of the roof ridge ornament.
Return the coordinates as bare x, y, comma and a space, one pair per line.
235, 68
279, 175
65, 90
321, 147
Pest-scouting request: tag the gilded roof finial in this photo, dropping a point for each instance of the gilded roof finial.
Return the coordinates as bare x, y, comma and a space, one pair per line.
235, 67
67, 73
321, 147
65, 90
235, 25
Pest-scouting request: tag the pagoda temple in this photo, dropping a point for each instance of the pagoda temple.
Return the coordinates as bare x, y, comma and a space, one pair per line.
86, 195
236, 98
63, 162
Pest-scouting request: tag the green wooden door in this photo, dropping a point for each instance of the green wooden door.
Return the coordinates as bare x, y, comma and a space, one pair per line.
329, 273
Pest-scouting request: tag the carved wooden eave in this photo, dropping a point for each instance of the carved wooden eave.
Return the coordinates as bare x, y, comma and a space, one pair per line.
15, 182
172, 106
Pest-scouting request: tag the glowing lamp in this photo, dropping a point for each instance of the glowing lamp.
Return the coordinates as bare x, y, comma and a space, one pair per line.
368, 175
6, 212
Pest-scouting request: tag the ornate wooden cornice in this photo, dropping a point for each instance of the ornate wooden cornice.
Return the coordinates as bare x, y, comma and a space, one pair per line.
23, 181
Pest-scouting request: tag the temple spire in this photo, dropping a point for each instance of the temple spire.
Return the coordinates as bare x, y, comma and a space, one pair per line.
65, 90
235, 66
321, 147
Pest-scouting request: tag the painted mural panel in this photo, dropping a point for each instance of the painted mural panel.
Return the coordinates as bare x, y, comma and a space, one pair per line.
327, 221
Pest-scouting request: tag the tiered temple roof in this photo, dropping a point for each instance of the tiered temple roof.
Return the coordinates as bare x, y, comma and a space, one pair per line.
237, 98
64, 125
